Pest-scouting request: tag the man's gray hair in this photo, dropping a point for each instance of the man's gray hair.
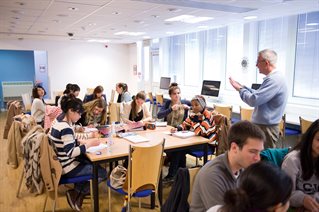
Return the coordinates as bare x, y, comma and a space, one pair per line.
269, 55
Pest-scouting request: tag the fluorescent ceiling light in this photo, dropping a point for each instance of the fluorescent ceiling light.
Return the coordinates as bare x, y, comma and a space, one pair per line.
146, 37
180, 18
190, 19
197, 20
250, 17
98, 40
170, 33
129, 33
312, 24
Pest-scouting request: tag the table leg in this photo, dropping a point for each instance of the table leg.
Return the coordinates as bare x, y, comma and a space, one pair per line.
95, 187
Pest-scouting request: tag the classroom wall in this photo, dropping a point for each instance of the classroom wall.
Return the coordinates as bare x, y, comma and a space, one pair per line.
11, 70
87, 64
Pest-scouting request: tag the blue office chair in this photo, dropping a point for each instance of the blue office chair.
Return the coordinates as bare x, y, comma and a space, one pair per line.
200, 153
72, 180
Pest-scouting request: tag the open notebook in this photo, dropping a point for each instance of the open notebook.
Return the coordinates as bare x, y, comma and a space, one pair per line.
93, 149
183, 134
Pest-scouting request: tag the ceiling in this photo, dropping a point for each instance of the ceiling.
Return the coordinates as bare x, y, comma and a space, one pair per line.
143, 19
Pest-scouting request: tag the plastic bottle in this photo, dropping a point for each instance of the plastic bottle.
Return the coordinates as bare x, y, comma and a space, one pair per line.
111, 135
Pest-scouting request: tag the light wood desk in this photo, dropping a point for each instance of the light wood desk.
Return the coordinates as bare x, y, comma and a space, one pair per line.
120, 149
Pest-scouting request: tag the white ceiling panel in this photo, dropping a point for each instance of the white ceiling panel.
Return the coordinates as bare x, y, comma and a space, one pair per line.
100, 19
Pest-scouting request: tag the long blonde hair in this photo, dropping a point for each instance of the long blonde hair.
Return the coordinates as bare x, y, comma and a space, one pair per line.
89, 107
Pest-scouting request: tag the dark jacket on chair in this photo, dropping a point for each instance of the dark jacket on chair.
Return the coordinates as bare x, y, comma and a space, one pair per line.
177, 199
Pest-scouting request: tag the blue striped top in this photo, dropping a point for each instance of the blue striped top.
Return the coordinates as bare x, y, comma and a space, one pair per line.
67, 148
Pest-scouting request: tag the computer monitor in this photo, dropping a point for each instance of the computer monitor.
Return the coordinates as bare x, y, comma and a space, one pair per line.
165, 82
210, 88
255, 86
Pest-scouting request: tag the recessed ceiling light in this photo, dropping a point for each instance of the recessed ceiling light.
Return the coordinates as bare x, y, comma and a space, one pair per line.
155, 16
115, 13
16, 18
129, 33
56, 21
170, 33
92, 24
146, 37
250, 17
179, 18
73, 8
312, 24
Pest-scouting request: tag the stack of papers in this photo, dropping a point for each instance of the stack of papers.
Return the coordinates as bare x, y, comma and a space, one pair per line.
183, 134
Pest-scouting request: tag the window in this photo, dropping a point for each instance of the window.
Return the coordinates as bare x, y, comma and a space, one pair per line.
306, 74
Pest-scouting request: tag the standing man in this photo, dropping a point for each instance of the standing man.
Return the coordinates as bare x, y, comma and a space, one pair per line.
245, 142
269, 100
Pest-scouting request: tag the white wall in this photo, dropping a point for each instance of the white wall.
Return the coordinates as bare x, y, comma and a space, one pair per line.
87, 64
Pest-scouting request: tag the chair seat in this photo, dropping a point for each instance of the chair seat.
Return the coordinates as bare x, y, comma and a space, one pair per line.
292, 132
199, 153
69, 180
143, 193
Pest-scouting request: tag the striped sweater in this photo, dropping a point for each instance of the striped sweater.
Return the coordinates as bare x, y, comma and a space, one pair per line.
67, 148
202, 124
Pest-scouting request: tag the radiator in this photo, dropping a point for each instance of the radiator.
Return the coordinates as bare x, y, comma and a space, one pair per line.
12, 90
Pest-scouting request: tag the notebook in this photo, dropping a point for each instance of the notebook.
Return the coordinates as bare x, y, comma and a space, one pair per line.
136, 138
183, 134
93, 149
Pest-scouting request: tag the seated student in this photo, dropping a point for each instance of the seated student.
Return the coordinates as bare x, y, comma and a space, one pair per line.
175, 110
71, 89
70, 153
302, 165
199, 120
122, 89
38, 104
97, 93
135, 111
262, 187
245, 142
94, 113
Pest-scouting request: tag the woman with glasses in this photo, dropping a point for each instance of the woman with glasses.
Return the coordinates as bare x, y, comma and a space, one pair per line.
70, 152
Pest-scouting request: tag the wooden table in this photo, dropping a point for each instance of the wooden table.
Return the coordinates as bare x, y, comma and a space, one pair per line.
120, 149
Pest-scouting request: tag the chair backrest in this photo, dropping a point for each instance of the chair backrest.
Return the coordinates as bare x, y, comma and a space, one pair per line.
159, 99
226, 110
150, 96
114, 109
89, 90
144, 168
112, 96
246, 113
304, 124
282, 126
26, 99
192, 174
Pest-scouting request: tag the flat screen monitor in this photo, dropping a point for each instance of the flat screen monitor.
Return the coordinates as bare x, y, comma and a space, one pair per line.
165, 82
210, 88
255, 86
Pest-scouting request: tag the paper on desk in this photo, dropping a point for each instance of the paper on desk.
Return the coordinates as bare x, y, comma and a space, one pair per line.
136, 138
90, 129
96, 148
167, 133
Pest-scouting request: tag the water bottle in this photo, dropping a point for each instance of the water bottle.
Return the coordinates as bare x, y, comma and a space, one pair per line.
112, 133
